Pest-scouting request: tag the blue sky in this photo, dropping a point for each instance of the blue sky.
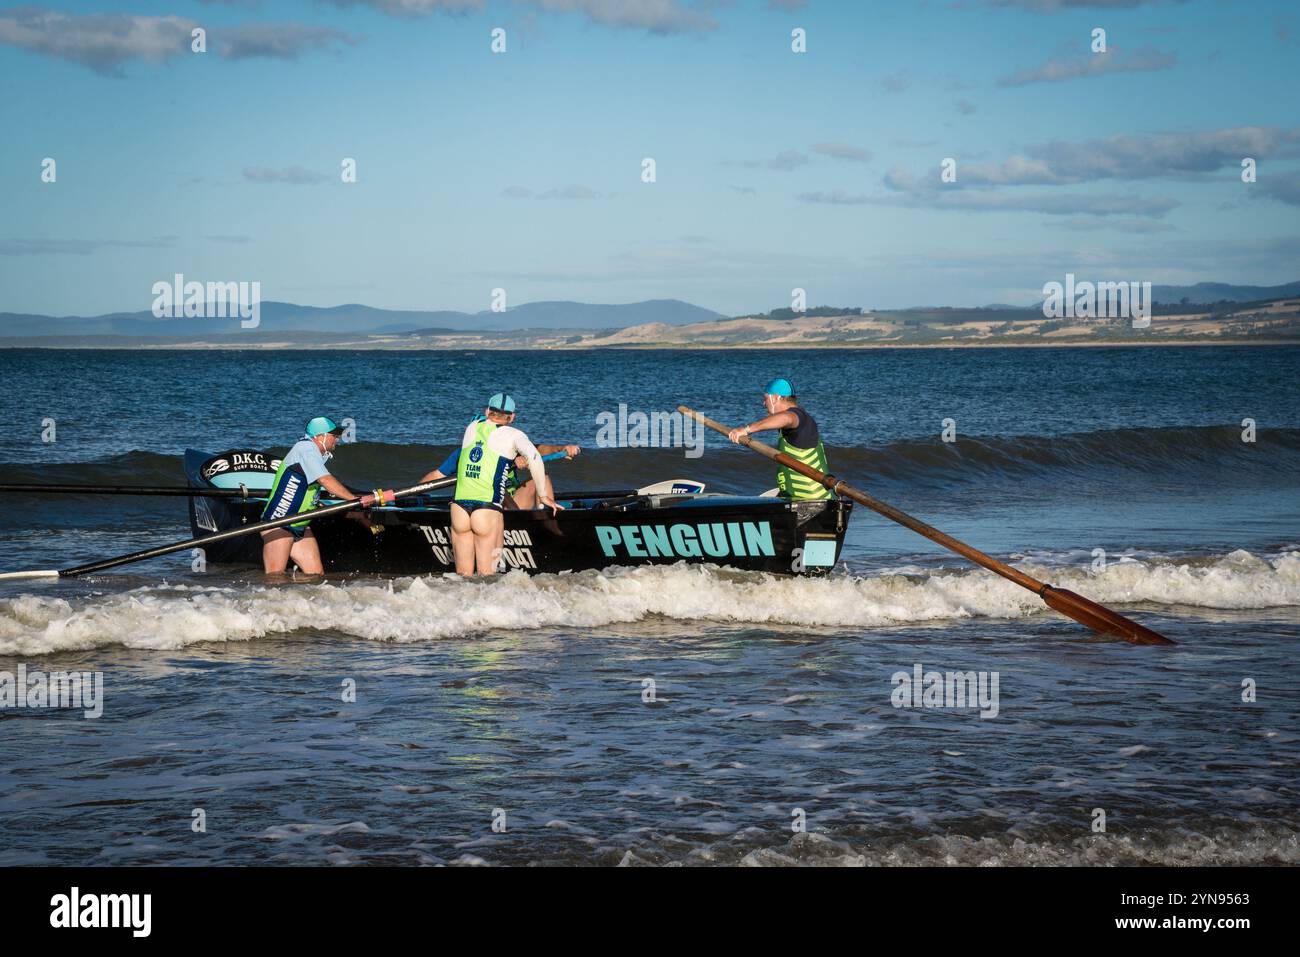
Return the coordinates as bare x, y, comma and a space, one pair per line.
522, 170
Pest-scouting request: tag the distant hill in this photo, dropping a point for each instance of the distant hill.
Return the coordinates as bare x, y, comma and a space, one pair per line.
815, 312
1274, 321
353, 318
1206, 294
582, 315
1210, 292
274, 316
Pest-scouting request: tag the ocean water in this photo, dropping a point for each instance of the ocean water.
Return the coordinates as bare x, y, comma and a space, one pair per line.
772, 735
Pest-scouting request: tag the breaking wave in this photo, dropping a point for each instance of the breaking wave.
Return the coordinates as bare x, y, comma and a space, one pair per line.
428, 609
1238, 845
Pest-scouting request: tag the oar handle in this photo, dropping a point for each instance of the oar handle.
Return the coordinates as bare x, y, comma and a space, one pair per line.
1067, 603
245, 530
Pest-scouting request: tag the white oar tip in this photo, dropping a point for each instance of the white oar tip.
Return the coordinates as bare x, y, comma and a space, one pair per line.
13, 576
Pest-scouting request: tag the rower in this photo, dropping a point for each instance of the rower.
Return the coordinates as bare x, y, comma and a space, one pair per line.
521, 490
800, 439
297, 484
488, 447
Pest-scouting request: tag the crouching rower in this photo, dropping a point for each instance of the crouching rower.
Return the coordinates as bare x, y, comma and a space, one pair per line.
490, 446
297, 484
800, 439
521, 490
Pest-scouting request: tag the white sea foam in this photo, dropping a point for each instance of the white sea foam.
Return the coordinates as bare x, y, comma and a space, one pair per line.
1276, 845
423, 609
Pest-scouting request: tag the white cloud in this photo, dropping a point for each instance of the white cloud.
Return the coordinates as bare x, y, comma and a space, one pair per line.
414, 8
654, 16
100, 41
843, 151
283, 41
1092, 65
78, 247
294, 175
570, 192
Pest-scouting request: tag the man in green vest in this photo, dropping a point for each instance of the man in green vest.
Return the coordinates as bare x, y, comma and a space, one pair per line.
800, 439
487, 453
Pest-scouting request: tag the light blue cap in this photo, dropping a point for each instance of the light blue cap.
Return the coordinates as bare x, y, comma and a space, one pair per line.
779, 387
502, 402
322, 424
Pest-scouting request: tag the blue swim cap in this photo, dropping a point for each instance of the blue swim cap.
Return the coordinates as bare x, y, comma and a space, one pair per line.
322, 424
502, 402
779, 387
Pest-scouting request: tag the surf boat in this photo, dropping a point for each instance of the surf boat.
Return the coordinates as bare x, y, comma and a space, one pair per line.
670, 522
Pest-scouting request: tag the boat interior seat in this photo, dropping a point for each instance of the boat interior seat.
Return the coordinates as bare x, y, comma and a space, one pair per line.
614, 504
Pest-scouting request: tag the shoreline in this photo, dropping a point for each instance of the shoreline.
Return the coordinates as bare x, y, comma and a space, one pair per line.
644, 347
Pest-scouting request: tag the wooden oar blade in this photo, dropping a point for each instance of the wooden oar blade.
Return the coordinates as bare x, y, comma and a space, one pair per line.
1099, 618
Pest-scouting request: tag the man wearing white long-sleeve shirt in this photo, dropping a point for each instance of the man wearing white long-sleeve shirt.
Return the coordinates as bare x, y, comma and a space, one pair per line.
488, 450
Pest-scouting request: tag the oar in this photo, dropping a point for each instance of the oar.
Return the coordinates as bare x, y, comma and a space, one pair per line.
131, 490
223, 536
1085, 611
